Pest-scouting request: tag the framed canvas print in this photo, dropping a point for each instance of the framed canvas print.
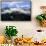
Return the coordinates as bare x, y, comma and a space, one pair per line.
16, 11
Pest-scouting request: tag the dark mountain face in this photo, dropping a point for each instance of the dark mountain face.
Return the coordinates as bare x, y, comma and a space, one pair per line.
15, 16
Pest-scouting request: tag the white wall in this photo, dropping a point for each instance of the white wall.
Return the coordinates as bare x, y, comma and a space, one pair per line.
26, 27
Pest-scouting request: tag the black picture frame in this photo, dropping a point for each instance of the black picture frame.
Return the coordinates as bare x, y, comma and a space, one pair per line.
16, 11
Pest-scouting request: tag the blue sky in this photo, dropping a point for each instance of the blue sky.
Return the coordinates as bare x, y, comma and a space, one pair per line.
16, 4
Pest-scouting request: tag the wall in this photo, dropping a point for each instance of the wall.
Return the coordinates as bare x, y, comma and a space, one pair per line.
27, 27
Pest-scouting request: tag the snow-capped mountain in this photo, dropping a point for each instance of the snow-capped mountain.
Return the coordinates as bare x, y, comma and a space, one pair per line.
9, 7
